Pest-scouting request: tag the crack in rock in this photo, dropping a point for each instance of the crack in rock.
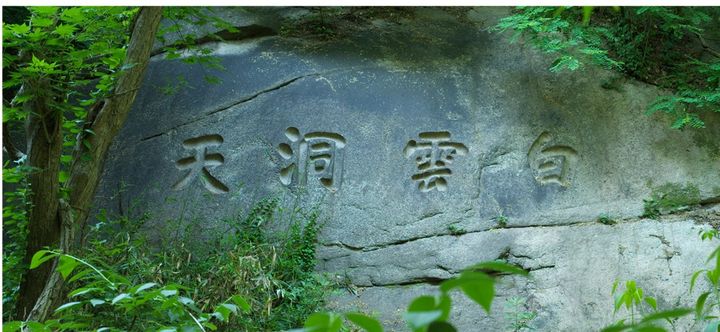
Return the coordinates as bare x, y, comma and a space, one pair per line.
236, 103
668, 251
448, 234
430, 215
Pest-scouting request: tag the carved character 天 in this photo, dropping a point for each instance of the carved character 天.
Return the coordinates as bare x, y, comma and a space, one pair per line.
200, 163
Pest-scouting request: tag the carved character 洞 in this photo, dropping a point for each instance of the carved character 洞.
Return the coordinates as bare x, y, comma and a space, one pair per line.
315, 154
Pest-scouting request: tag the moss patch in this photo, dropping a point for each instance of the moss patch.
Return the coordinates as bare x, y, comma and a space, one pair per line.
671, 197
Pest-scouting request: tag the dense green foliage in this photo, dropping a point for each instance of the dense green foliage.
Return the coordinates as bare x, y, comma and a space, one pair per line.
107, 301
124, 281
79, 49
14, 234
664, 46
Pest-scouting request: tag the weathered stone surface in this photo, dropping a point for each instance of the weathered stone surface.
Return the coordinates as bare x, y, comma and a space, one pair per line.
572, 270
550, 152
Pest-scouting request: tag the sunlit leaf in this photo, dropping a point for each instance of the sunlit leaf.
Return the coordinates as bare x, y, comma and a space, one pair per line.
67, 306
40, 257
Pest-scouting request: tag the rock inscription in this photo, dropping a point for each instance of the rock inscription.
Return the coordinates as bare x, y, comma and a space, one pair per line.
551, 164
315, 154
433, 154
200, 163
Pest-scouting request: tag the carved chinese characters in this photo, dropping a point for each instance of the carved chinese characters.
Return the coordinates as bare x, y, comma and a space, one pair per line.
551, 163
200, 162
433, 154
320, 155
316, 154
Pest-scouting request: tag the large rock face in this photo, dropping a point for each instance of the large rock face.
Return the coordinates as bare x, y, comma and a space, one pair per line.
416, 137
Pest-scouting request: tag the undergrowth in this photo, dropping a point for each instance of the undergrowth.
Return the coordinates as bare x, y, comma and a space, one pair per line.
274, 273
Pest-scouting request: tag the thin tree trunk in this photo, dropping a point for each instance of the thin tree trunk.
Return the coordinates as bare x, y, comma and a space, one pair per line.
88, 162
85, 171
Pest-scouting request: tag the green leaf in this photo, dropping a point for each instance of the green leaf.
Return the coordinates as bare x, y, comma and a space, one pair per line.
499, 266
73, 15
615, 328
444, 303
481, 289
96, 302
323, 322
168, 292
64, 30
368, 324
241, 302
478, 286
66, 266
673, 313
82, 291
441, 327
145, 286
120, 297
12, 326
41, 22
40, 257
19, 29
694, 278
37, 327
79, 275
43, 10
423, 303
649, 328
426, 309
418, 320
652, 302
63, 176
224, 310
614, 287
587, 12
67, 306
700, 304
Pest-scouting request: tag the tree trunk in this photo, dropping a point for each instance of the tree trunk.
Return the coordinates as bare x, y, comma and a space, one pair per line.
53, 289
44, 146
87, 163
